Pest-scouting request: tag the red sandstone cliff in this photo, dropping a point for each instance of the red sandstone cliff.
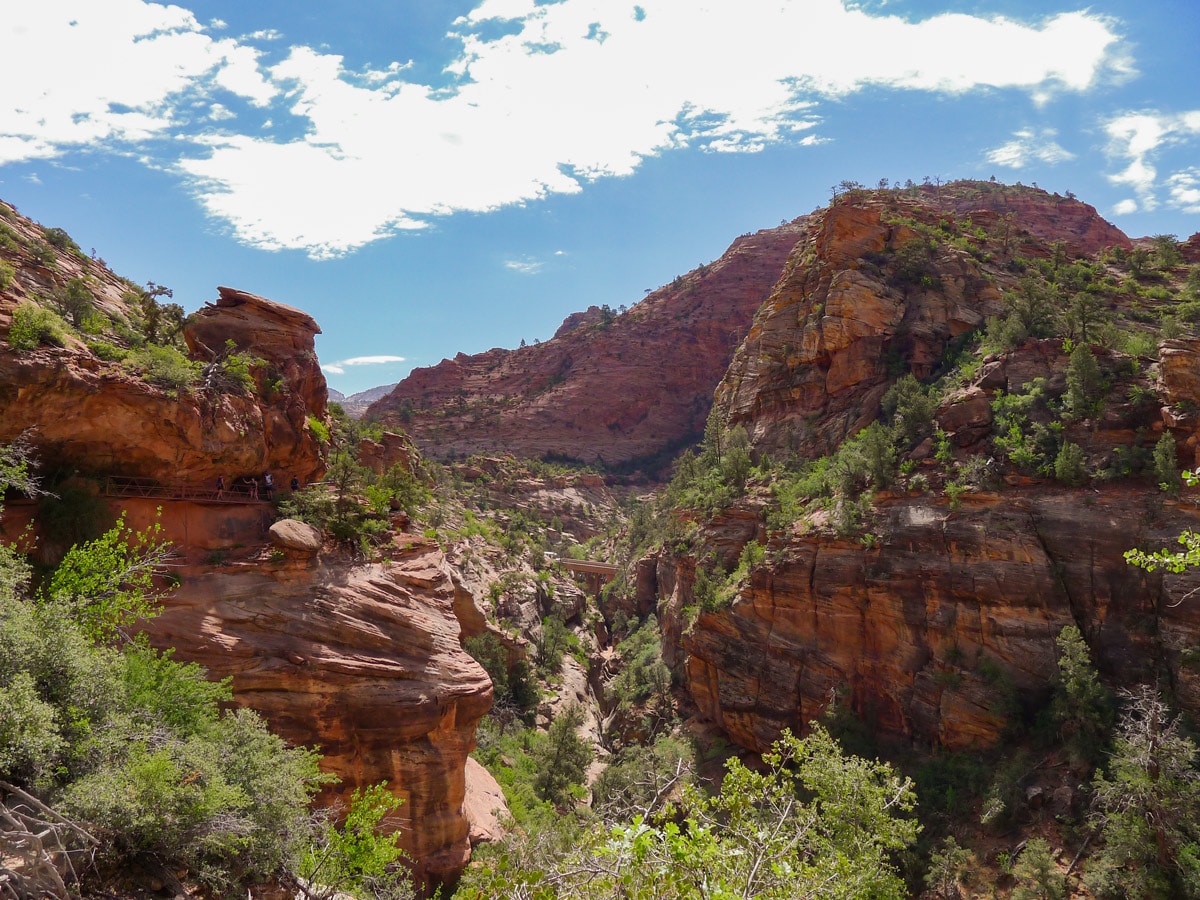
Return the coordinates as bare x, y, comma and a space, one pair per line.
933, 620
97, 416
606, 386
363, 661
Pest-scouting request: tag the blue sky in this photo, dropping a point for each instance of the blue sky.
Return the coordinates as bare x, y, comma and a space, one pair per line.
430, 177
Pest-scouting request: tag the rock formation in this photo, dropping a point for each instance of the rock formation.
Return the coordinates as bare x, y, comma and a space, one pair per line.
363, 661
938, 631
936, 619
610, 387
96, 416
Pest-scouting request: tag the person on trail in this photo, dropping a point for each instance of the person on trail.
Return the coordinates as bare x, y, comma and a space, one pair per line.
220, 487
268, 484
295, 483
253, 488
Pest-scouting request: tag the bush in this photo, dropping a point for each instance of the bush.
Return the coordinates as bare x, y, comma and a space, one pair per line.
165, 367
75, 301
1070, 465
1166, 465
7, 274
57, 237
33, 325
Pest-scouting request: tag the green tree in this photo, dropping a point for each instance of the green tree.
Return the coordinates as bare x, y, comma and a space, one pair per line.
1146, 806
361, 856
1070, 465
1166, 464
949, 869
1085, 384
1037, 875
814, 823
1082, 706
562, 757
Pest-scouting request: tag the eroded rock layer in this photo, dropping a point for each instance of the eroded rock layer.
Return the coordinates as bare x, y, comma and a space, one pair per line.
940, 630
607, 387
363, 661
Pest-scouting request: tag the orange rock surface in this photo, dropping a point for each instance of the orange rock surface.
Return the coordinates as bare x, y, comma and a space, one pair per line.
363, 661
616, 390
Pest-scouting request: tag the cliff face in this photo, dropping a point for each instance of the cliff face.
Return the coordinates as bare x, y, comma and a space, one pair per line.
868, 290
363, 661
97, 416
941, 629
935, 618
609, 387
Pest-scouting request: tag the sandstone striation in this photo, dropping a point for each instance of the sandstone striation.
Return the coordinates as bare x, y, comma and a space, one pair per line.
610, 387
96, 416
941, 630
363, 661
864, 292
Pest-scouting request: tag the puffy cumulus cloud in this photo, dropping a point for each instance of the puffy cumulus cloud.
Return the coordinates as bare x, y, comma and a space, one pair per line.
339, 367
541, 99
583, 89
1137, 139
1184, 190
1029, 146
103, 72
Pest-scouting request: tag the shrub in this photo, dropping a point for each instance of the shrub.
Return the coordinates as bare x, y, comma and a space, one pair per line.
75, 301
1085, 385
164, 366
1070, 465
1166, 464
33, 325
361, 856
7, 274
57, 237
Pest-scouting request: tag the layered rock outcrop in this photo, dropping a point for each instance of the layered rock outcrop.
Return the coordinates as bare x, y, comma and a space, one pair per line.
868, 292
609, 387
363, 661
941, 629
936, 619
96, 416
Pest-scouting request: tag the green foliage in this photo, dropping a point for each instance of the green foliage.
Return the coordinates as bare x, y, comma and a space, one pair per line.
108, 583
130, 744
1085, 384
513, 685
1032, 312
164, 366
1037, 875
1166, 465
1173, 561
319, 429
641, 779
33, 325
1070, 465
644, 679
75, 301
1146, 805
1025, 429
552, 644
7, 275
814, 823
910, 407
562, 758
1082, 707
950, 867
57, 237
362, 855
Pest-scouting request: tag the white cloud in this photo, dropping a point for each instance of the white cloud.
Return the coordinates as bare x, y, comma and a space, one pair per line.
339, 367
1137, 139
524, 266
103, 72
1184, 190
1029, 146
543, 109
1125, 207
